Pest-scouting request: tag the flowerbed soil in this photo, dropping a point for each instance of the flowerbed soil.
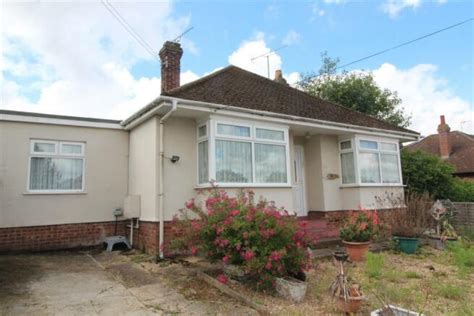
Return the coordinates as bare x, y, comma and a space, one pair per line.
428, 282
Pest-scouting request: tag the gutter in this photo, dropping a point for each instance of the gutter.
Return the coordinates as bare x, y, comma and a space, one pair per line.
161, 165
142, 115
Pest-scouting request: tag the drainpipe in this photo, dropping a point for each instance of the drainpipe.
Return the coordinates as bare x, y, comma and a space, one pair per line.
161, 177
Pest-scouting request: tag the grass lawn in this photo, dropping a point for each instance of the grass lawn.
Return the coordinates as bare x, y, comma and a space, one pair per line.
433, 282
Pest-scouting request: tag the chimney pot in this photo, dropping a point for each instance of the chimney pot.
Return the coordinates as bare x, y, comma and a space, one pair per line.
443, 135
170, 56
279, 77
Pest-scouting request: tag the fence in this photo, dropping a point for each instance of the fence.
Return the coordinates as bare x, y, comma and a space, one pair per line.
464, 216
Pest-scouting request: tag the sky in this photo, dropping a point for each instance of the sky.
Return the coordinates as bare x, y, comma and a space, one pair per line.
75, 58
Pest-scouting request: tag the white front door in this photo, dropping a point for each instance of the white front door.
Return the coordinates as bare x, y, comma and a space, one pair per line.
299, 183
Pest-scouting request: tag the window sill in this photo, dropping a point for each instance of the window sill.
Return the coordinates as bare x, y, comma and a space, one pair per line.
55, 193
370, 185
243, 186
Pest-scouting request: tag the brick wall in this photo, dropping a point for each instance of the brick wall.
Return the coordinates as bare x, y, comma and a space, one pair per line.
52, 237
464, 217
336, 218
145, 238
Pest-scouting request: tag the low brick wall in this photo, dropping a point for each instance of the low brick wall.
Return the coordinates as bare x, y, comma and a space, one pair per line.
53, 237
145, 238
464, 215
336, 218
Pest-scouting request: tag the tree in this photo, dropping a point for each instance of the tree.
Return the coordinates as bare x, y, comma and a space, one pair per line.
355, 90
423, 172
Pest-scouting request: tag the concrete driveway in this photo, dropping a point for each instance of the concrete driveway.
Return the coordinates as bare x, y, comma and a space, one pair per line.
72, 283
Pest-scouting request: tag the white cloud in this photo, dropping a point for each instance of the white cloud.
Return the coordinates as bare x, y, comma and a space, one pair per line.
292, 37
243, 56
76, 59
426, 96
394, 7
316, 11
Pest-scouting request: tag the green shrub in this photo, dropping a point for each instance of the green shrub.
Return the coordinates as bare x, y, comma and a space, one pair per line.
462, 191
424, 172
374, 264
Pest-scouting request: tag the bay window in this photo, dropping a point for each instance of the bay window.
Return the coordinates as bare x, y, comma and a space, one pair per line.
56, 166
369, 162
238, 153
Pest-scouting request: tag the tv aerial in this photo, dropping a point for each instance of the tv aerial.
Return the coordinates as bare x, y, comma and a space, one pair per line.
267, 55
178, 38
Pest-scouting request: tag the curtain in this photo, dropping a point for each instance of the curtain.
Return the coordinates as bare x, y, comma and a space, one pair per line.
233, 130
270, 163
390, 171
270, 134
233, 161
347, 166
56, 173
369, 167
203, 162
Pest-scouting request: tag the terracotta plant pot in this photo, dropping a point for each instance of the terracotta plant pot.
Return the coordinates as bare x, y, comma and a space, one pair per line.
351, 305
356, 250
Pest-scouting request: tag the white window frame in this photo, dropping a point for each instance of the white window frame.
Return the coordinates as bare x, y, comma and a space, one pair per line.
357, 149
213, 135
57, 154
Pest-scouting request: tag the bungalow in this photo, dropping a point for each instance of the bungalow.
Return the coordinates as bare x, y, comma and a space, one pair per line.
62, 178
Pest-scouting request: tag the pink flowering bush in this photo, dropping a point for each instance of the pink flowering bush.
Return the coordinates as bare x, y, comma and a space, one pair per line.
264, 240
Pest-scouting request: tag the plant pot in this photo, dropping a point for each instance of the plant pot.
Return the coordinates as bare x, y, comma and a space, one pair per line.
394, 311
235, 272
407, 245
351, 305
356, 250
291, 288
438, 243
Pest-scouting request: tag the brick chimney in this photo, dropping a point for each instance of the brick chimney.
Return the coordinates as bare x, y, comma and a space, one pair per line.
170, 56
443, 134
279, 77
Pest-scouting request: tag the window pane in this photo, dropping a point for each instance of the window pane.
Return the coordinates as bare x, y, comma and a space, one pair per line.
56, 174
388, 146
203, 162
347, 166
71, 149
367, 144
233, 161
233, 130
44, 147
390, 171
369, 168
346, 144
202, 131
270, 134
270, 163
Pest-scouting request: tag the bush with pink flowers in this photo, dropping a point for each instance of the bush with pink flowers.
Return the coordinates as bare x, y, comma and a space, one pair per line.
264, 240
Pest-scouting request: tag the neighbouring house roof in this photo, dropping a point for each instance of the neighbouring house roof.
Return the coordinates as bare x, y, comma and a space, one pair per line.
462, 149
237, 87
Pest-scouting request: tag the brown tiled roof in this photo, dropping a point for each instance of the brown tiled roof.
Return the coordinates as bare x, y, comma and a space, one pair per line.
462, 149
237, 87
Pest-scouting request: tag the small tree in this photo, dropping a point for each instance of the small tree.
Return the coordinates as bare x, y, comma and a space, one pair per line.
355, 90
424, 172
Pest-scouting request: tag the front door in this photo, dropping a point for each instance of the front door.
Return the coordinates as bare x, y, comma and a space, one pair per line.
299, 183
